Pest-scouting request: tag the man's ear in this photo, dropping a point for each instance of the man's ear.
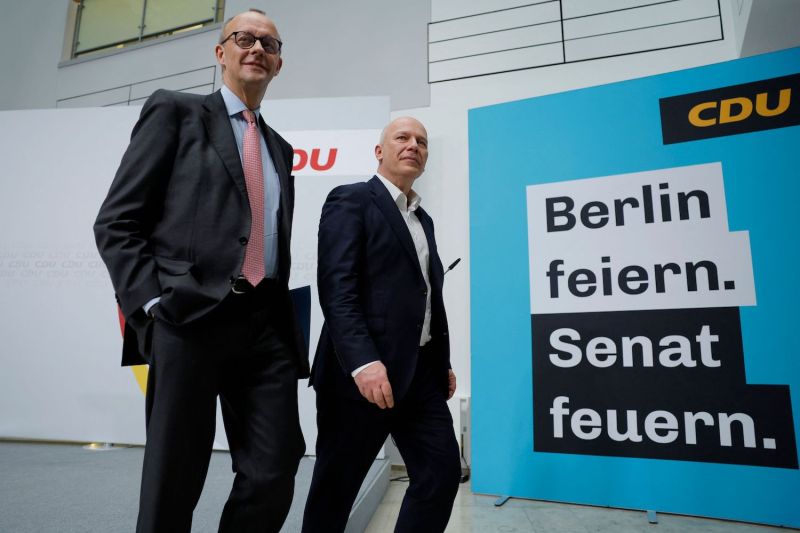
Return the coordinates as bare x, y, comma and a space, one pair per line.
378, 152
219, 52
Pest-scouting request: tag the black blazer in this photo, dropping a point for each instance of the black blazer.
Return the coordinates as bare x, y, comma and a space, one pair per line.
176, 219
372, 292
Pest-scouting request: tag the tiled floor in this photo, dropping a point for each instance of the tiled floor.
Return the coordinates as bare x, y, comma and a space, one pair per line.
477, 514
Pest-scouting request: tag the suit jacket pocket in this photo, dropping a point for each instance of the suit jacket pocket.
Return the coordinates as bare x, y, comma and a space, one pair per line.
175, 267
179, 288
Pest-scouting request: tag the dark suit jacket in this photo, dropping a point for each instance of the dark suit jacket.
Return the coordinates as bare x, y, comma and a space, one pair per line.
176, 219
372, 291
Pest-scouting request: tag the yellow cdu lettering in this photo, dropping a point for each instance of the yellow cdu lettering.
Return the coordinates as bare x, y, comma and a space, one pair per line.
694, 115
783, 103
745, 105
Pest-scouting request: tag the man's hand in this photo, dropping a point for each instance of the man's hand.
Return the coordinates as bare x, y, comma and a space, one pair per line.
373, 384
451, 383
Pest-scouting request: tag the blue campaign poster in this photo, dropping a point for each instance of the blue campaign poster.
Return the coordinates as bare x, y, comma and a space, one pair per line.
634, 293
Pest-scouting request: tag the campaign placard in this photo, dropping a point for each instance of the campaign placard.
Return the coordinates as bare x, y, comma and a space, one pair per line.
634, 314
636, 284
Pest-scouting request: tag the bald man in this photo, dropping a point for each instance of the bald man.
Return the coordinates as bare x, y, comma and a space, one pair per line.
195, 232
382, 365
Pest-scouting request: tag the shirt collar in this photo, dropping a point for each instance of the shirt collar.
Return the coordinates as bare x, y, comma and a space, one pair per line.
410, 202
233, 104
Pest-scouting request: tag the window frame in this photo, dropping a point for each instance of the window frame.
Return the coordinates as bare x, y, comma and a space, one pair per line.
219, 9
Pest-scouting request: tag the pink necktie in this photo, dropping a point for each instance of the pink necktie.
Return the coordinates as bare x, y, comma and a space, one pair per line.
253, 267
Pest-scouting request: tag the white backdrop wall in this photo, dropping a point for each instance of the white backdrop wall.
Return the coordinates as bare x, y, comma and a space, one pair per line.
59, 329
61, 341
444, 186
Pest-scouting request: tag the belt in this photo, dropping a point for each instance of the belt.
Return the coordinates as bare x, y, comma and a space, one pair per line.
240, 285
244, 299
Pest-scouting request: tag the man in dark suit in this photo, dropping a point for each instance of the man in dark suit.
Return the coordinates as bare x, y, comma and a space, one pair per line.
195, 232
382, 365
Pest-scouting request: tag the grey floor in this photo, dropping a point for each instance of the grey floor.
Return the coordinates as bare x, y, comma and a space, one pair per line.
477, 514
64, 488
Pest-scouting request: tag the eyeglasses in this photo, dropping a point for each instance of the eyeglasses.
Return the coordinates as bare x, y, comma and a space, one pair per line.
247, 40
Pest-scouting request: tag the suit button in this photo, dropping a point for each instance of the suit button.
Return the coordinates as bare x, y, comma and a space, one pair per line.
243, 240
425, 292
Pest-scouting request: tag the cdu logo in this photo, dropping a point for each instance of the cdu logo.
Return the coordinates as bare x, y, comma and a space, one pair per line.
301, 159
761, 105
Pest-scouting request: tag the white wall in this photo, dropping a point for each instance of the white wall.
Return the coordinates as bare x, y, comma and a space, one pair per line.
350, 48
740, 13
110, 76
343, 48
771, 25
30, 49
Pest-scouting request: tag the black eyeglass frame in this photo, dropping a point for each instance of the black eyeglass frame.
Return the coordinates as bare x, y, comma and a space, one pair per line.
262, 40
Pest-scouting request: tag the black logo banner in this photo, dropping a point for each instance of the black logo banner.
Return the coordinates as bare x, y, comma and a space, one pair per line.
662, 384
760, 105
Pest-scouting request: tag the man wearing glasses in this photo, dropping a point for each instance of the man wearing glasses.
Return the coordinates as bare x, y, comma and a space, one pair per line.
195, 232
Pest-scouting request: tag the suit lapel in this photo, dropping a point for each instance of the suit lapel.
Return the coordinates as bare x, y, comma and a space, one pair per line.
218, 126
389, 209
425, 220
436, 274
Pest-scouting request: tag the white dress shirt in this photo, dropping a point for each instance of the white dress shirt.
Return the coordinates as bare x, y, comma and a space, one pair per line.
407, 205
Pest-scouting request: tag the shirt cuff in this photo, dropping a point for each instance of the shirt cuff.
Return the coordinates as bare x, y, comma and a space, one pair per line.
149, 305
355, 372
